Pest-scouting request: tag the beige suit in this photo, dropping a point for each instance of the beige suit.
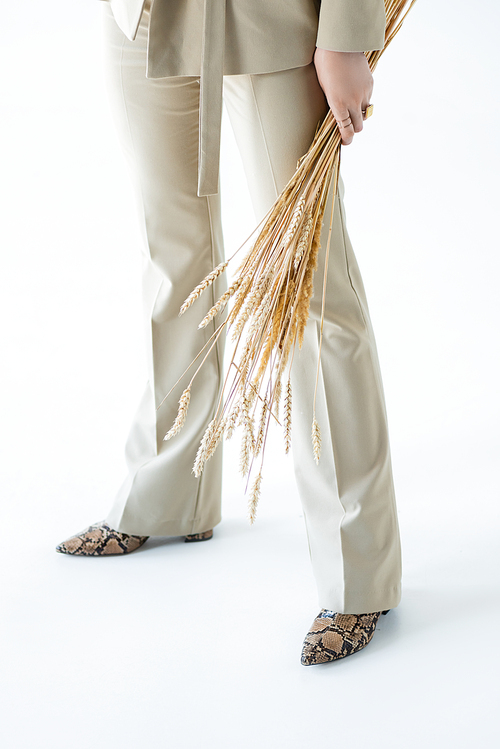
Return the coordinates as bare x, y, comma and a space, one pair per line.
260, 36
348, 499
212, 38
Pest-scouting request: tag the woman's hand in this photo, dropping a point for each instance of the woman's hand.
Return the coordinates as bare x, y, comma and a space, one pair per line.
347, 82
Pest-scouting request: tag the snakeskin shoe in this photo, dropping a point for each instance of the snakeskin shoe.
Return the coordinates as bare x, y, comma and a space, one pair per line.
205, 536
100, 540
333, 636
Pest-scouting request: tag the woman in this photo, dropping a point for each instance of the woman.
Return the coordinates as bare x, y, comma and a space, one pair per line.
279, 65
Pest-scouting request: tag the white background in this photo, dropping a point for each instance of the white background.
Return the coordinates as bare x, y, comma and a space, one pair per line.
199, 645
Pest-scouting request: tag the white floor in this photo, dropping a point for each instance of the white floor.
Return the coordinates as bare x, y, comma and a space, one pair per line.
199, 645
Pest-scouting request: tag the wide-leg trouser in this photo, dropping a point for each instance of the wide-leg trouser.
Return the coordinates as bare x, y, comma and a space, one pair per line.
348, 499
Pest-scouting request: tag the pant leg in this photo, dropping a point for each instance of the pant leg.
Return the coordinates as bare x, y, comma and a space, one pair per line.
157, 122
348, 500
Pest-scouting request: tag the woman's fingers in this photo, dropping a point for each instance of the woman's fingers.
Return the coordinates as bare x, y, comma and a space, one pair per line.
346, 128
357, 119
347, 82
348, 123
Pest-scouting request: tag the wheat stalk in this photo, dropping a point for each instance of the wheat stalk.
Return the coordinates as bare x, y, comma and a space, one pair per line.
201, 455
288, 417
259, 438
221, 305
181, 414
316, 440
254, 498
270, 298
198, 291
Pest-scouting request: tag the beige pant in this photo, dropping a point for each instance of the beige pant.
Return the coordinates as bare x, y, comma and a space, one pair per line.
348, 499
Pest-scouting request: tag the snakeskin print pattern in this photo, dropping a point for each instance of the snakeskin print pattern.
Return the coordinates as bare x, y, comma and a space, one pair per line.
333, 636
100, 540
205, 536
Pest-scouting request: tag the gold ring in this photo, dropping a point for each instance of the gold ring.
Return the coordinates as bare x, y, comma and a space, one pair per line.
367, 112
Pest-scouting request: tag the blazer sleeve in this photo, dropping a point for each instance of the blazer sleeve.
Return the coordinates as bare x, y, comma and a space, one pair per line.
351, 25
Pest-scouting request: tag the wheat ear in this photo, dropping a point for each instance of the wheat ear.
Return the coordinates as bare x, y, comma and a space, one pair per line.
316, 440
288, 417
198, 290
201, 455
181, 414
254, 498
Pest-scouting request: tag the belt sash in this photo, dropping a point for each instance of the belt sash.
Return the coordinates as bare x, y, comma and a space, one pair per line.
211, 80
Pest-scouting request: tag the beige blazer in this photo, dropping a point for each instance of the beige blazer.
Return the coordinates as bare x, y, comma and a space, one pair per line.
212, 38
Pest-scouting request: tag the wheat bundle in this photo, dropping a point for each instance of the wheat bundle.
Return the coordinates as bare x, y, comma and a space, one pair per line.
269, 301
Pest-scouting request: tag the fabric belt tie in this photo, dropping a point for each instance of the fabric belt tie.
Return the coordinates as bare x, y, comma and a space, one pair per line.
211, 80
